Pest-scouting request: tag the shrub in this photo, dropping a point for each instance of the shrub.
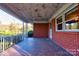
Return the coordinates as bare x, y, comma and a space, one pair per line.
30, 33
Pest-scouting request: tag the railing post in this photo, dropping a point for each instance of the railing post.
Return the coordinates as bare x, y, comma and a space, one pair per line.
2, 43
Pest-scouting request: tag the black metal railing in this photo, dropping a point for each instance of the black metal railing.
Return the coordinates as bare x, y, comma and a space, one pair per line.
8, 41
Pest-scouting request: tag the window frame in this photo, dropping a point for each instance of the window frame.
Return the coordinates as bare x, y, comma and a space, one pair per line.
59, 23
63, 14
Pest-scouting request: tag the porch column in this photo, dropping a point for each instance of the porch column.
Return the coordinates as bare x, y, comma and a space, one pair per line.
23, 32
26, 29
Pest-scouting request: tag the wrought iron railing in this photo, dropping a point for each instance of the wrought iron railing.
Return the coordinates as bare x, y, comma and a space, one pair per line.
8, 41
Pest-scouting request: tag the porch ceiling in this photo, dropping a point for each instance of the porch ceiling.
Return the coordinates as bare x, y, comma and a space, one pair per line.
30, 12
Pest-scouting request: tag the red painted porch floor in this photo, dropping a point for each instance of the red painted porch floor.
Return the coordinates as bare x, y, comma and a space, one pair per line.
35, 47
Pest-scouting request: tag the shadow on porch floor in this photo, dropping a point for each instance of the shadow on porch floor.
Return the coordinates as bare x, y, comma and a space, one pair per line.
35, 47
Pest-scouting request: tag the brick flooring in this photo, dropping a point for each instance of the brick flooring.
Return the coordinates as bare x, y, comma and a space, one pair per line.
35, 47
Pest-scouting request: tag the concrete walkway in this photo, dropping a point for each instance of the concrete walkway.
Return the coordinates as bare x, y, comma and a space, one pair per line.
35, 47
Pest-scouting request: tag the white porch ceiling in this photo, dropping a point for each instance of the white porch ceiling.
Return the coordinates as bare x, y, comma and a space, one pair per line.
30, 12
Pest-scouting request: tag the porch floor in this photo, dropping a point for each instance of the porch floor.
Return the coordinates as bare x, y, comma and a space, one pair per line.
35, 47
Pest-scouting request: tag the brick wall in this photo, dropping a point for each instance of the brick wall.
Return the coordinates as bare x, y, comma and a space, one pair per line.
41, 30
67, 40
78, 33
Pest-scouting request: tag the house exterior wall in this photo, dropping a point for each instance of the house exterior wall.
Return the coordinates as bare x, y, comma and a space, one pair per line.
67, 40
41, 30
78, 33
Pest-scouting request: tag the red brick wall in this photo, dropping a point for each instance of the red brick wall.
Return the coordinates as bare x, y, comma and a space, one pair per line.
67, 40
78, 35
41, 30
77, 43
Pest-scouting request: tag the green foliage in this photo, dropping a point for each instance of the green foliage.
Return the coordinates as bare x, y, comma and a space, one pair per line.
7, 32
11, 29
30, 33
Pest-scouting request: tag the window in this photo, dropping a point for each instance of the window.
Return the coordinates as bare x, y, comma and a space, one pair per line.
59, 23
71, 19
70, 25
68, 22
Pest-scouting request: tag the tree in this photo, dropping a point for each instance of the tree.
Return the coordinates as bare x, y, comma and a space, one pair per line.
11, 27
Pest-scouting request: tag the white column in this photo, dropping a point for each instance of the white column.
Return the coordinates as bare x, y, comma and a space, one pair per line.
26, 29
23, 32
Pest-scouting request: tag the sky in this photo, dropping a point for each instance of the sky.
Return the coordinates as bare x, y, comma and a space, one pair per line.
6, 18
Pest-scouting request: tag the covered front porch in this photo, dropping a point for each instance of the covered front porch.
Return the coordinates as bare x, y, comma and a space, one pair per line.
55, 29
